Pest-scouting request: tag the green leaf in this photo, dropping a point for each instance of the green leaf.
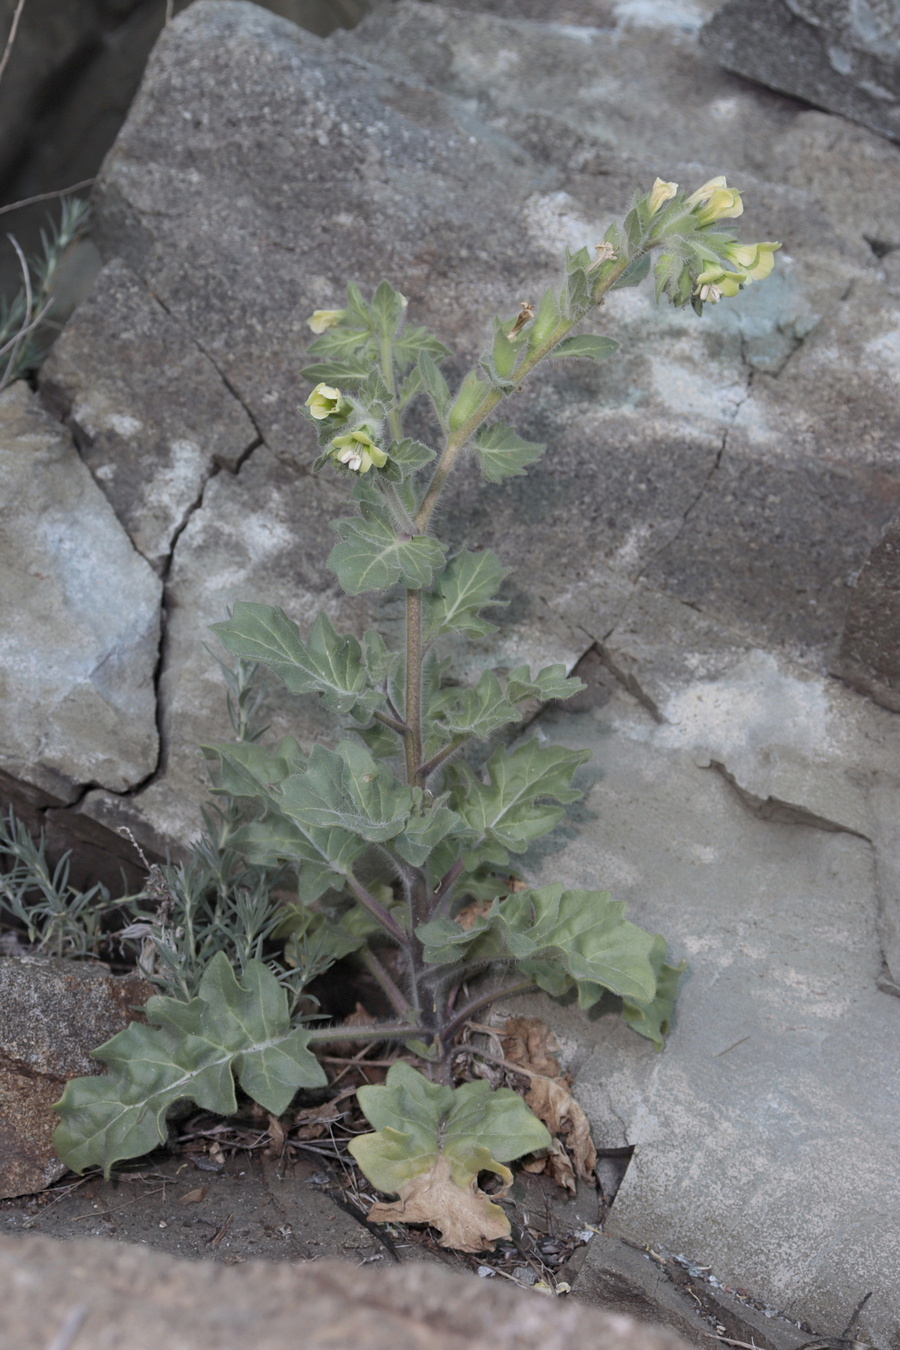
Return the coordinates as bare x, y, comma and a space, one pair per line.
654, 1019
387, 308
413, 343
436, 385
194, 1051
469, 582
503, 454
324, 856
247, 769
577, 293
339, 341
406, 458
340, 373
325, 664
587, 345
313, 941
430, 1144
551, 682
634, 273
371, 557
424, 832
474, 712
358, 312
468, 400
350, 790
511, 809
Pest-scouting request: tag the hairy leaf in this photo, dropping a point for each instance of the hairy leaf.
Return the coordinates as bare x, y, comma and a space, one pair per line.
350, 790
194, 1051
634, 273
339, 341
587, 345
436, 385
467, 401
372, 557
430, 1144
387, 308
247, 769
346, 373
326, 664
474, 712
511, 809
469, 582
413, 343
654, 1019
406, 458
324, 855
551, 682
424, 831
503, 454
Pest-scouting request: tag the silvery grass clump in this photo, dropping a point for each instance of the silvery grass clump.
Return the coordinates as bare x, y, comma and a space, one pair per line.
392, 833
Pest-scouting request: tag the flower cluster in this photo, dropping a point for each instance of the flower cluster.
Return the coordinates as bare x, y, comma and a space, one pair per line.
701, 264
355, 450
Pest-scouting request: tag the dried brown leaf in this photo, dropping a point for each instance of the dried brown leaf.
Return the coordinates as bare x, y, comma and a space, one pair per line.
469, 913
552, 1102
193, 1197
276, 1133
467, 1219
527, 1041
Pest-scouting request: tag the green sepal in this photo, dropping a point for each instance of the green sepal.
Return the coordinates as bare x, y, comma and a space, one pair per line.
503, 454
467, 401
195, 1051
503, 351
326, 664
577, 260
475, 1127
468, 583
546, 318
654, 1019
549, 683
587, 345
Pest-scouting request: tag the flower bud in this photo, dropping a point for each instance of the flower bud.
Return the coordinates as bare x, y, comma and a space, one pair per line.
714, 201
659, 194
324, 401
325, 318
357, 451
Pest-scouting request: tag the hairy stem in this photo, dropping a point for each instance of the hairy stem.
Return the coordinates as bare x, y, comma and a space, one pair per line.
388, 1031
424, 771
396, 997
414, 688
450, 1028
378, 912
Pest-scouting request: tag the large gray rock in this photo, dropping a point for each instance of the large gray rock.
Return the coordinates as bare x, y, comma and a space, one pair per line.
80, 637
869, 656
127, 1298
52, 1014
843, 55
151, 415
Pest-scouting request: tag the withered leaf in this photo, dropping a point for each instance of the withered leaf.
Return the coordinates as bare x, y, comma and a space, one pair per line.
466, 1218
552, 1102
194, 1197
529, 1042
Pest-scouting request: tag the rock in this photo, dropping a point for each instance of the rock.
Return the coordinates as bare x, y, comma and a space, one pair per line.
869, 655
133, 1299
54, 1013
836, 54
79, 662
150, 414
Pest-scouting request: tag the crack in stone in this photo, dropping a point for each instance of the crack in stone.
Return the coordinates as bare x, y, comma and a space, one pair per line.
778, 812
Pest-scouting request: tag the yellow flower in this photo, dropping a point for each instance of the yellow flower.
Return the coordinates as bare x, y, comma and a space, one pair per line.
659, 194
715, 282
323, 402
357, 451
755, 260
714, 201
325, 318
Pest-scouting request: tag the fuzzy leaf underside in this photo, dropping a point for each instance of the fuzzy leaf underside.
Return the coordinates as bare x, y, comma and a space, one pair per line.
586, 345
468, 583
434, 1140
326, 664
195, 1051
563, 938
503, 454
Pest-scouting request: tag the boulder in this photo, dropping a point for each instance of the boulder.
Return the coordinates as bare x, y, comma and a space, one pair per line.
842, 55
869, 655
54, 1013
128, 1298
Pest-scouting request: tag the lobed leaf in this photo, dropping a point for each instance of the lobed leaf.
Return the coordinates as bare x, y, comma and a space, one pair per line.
372, 557
349, 790
503, 454
247, 769
406, 458
387, 308
324, 856
474, 712
551, 682
654, 1019
347, 372
468, 583
326, 664
194, 1051
430, 1144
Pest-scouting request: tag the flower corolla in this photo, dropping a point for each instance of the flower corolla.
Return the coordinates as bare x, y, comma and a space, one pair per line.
755, 260
714, 201
324, 401
660, 193
321, 319
357, 451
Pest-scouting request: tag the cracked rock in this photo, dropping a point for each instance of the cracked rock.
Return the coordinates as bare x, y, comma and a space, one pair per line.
149, 412
79, 649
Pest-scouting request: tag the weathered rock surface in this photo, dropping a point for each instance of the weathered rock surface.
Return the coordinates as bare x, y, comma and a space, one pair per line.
150, 414
52, 1014
131, 1299
843, 55
81, 633
869, 656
